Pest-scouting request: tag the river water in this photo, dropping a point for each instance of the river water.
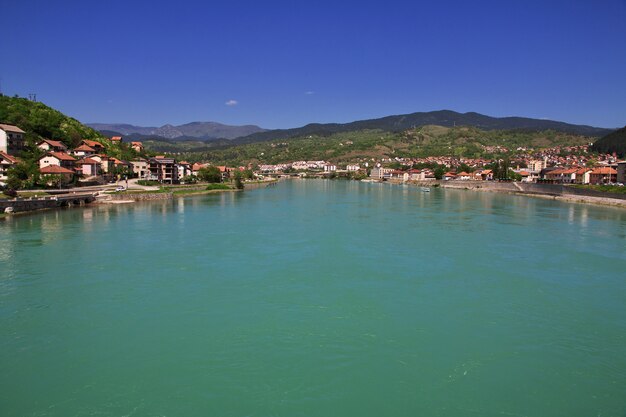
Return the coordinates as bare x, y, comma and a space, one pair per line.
316, 298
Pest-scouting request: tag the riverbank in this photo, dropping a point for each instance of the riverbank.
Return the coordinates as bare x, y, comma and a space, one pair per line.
170, 192
33, 204
545, 191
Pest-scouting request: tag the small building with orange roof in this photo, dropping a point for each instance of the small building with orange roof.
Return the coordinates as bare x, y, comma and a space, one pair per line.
603, 175
6, 162
52, 146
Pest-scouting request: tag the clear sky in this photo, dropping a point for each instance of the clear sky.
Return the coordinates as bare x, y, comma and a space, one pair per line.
284, 64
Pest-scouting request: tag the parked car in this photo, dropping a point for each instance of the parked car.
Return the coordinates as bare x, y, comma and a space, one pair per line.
120, 188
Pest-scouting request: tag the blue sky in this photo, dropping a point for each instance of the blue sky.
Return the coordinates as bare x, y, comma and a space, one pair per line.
284, 64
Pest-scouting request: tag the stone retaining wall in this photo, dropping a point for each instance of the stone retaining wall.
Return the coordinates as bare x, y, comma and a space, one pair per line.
554, 190
21, 204
565, 190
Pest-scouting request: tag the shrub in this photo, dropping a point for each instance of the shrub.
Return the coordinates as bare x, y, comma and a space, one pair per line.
217, 186
147, 182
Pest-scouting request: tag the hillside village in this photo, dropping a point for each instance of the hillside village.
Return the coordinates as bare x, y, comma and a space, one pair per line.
90, 163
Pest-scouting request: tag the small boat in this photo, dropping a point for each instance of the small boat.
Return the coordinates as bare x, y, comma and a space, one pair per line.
425, 189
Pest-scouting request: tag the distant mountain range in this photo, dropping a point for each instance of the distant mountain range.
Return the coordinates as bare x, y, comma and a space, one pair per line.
194, 130
250, 133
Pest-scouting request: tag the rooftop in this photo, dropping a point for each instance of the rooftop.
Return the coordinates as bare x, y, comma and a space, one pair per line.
55, 169
11, 128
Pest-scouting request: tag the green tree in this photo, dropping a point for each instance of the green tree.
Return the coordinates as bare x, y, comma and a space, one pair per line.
52, 180
210, 174
439, 171
189, 179
514, 175
23, 175
465, 167
239, 180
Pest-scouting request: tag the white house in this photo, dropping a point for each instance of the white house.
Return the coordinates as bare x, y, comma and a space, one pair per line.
84, 150
11, 139
184, 169
57, 158
52, 146
141, 168
6, 162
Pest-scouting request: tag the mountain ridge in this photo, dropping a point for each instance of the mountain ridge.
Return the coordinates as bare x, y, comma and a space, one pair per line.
196, 130
392, 123
446, 118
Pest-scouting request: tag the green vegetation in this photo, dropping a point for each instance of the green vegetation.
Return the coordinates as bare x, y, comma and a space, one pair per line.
148, 183
212, 187
210, 174
189, 179
40, 121
366, 144
617, 189
239, 180
502, 171
613, 142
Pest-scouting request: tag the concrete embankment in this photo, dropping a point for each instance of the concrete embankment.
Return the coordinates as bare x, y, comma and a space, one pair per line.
20, 205
551, 191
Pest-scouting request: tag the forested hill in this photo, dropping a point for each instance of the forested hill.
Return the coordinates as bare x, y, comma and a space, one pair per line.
446, 118
41, 121
613, 142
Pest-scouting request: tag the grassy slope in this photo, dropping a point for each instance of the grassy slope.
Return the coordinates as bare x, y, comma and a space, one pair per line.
352, 146
613, 142
40, 121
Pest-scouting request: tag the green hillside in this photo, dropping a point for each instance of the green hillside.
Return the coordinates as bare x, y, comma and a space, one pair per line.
613, 142
351, 146
40, 121
445, 118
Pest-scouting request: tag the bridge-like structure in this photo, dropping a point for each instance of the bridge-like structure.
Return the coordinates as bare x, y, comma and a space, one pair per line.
19, 204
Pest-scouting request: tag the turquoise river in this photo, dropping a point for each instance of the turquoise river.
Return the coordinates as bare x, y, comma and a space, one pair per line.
316, 298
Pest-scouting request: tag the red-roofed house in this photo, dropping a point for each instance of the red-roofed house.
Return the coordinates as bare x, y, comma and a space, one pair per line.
137, 146
106, 164
89, 167
417, 175
583, 175
84, 150
66, 174
93, 144
52, 146
6, 162
116, 139
483, 175
225, 171
197, 167
57, 158
603, 175
119, 164
184, 169
11, 139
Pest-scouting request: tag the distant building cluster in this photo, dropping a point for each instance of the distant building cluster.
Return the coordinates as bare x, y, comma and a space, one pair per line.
90, 162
